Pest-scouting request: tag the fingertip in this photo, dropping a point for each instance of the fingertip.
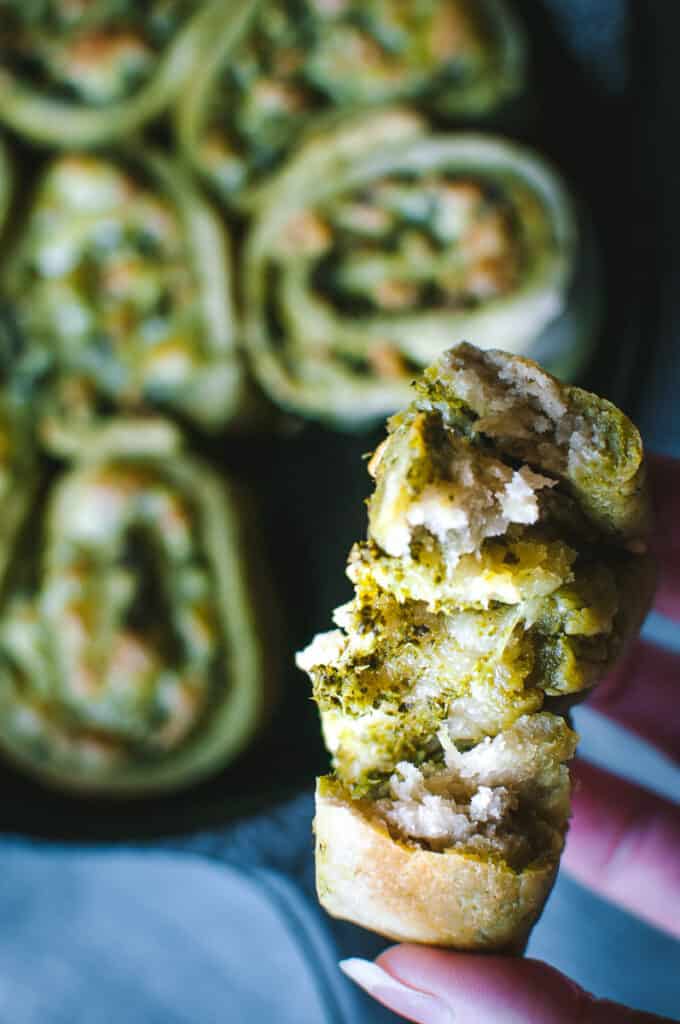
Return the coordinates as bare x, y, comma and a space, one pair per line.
641, 694
480, 989
667, 600
411, 1002
477, 987
402, 951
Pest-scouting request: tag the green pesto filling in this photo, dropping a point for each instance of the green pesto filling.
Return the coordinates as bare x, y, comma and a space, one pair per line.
525, 563
488, 488
386, 696
505, 567
404, 245
299, 58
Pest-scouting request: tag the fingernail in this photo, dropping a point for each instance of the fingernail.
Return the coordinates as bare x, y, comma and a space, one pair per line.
419, 1006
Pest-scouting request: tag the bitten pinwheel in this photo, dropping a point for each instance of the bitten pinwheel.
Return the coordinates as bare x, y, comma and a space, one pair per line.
504, 572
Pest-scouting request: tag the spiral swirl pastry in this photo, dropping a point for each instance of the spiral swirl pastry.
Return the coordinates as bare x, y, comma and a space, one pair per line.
87, 72
120, 286
276, 67
129, 654
381, 243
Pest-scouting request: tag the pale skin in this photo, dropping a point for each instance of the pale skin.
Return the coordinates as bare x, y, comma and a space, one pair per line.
623, 844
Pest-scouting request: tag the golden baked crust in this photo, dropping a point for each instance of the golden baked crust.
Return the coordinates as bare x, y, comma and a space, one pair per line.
411, 894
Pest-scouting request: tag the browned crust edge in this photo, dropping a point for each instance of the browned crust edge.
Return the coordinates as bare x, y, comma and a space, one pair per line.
413, 895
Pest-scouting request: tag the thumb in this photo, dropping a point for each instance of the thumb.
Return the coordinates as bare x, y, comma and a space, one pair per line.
431, 986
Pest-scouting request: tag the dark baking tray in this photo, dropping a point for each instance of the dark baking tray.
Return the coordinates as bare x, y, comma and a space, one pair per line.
309, 483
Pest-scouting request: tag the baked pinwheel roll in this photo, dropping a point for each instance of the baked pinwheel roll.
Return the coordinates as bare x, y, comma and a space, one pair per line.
504, 572
86, 73
120, 289
275, 67
130, 658
381, 242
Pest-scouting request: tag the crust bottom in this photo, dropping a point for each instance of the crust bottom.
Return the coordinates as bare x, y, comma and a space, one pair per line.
410, 894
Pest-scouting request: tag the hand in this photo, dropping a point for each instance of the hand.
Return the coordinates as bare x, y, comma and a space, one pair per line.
624, 843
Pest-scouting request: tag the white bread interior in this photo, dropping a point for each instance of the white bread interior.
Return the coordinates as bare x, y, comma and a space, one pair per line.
464, 856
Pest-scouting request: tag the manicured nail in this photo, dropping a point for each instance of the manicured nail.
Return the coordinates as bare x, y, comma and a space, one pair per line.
416, 1005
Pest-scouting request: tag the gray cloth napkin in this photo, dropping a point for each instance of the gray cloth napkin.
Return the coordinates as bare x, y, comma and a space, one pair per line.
161, 936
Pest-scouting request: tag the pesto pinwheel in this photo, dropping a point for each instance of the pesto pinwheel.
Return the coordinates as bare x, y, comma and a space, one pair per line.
504, 571
120, 288
382, 242
86, 72
278, 66
130, 659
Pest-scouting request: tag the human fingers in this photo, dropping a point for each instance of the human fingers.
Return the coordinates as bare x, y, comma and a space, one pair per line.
664, 478
623, 843
642, 693
432, 986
